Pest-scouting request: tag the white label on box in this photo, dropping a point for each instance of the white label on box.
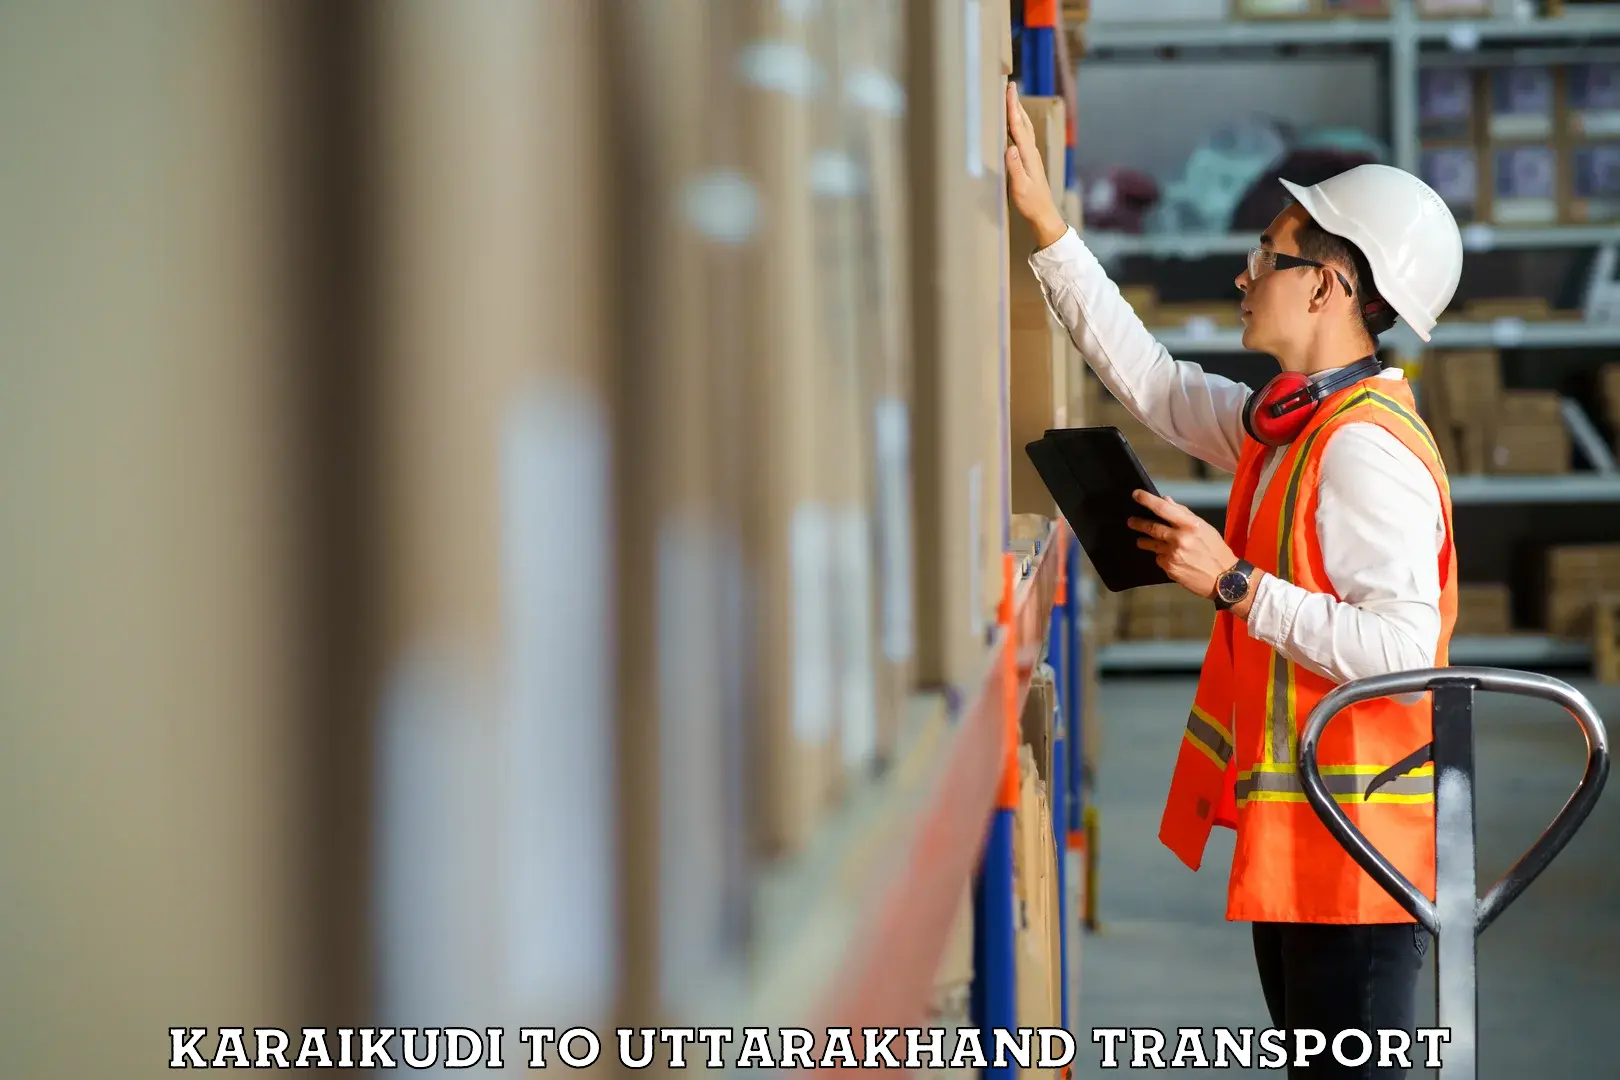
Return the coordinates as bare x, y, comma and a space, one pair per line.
976, 550
1516, 126
780, 66
1525, 211
1596, 124
691, 750
439, 790
1521, 103
893, 443
558, 755
875, 91
810, 540
836, 175
722, 206
975, 123
857, 680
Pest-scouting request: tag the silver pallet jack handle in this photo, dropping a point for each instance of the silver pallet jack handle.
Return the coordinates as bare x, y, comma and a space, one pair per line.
1456, 916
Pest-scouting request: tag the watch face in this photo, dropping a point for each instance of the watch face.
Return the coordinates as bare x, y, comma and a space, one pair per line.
1232, 586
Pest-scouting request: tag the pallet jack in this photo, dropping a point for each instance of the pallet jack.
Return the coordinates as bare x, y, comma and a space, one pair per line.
1456, 917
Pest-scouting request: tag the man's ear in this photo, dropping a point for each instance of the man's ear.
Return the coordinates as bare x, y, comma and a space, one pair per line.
1324, 287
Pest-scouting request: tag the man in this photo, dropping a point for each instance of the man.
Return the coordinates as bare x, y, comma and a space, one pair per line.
1336, 564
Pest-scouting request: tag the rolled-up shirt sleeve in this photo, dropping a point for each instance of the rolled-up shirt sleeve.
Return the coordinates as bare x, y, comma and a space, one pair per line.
1381, 527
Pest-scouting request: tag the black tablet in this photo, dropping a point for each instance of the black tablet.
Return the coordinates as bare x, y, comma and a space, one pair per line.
1090, 473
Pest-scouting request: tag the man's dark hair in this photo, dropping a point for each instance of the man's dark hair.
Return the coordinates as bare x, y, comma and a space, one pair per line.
1319, 245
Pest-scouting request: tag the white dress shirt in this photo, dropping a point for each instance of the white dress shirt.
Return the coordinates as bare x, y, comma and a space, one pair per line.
1379, 520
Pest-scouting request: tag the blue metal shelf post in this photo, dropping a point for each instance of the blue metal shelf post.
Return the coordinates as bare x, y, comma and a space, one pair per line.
995, 983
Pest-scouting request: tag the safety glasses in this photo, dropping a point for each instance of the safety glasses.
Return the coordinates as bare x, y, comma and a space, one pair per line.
1263, 260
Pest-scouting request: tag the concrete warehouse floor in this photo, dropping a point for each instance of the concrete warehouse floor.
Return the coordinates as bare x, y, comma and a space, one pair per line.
1549, 968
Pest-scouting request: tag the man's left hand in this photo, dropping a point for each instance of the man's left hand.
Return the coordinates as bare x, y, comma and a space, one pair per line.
1189, 548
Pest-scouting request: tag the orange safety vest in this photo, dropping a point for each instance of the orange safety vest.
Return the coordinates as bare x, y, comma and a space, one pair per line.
1237, 764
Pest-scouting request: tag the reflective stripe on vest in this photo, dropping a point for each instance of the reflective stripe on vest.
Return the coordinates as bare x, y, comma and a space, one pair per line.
1209, 736
1346, 783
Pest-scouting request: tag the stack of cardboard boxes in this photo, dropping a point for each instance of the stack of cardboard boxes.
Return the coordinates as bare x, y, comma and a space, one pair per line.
1609, 392
1576, 575
1484, 610
1310, 9
1523, 145
1165, 613
1482, 428
960, 443
991, 373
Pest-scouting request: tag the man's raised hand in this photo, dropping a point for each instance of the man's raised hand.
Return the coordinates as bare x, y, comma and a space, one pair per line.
1026, 176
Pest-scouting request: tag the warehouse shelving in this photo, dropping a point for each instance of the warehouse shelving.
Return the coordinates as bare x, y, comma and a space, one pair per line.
1401, 26
1580, 487
905, 917
1402, 34
1507, 650
1476, 238
849, 931
1197, 337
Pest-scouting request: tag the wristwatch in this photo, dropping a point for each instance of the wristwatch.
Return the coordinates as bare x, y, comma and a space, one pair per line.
1232, 586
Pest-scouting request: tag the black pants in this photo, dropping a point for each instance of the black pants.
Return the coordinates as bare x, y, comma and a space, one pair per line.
1331, 978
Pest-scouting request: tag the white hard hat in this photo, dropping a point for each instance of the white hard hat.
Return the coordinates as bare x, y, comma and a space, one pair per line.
1405, 230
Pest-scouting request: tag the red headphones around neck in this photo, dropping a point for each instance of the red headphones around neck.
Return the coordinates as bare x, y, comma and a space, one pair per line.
1275, 414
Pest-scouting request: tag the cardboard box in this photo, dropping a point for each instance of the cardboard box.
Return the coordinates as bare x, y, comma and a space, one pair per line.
791, 534
847, 352
1469, 386
1219, 313
1523, 103
1036, 722
1456, 174
1592, 177
1040, 347
1609, 392
1144, 301
1593, 567
1524, 185
1036, 903
1575, 575
1361, 8
1530, 407
1309, 9
950, 443
1448, 103
1534, 449
1484, 609
1528, 308
1040, 401
1444, 9
992, 297
875, 45
1274, 9
1592, 101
